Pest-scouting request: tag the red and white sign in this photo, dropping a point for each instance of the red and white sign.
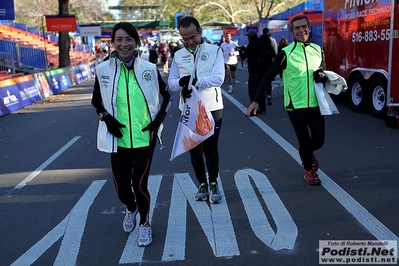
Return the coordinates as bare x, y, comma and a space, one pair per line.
61, 23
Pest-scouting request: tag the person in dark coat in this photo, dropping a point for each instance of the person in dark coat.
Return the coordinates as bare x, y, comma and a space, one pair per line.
255, 68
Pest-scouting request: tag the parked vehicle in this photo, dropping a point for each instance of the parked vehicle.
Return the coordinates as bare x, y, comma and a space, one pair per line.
361, 40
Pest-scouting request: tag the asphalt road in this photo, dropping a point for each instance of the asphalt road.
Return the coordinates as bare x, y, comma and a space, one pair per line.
58, 205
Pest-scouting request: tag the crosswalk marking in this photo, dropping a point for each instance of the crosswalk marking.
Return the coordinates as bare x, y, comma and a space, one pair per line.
132, 253
70, 244
215, 222
214, 219
175, 242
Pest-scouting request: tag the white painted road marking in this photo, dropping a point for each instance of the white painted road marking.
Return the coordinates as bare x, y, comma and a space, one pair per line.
71, 227
215, 222
132, 253
44, 165
374, 226
287, 230
175, 242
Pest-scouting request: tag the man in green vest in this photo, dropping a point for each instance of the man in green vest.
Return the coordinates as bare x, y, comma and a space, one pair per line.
300, 63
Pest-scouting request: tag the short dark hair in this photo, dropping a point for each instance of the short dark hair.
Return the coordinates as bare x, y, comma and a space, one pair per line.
266, 31
187, 21
298, 18
130, 30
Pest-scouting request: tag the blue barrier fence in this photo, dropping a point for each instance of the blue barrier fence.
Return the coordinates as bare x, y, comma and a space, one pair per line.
25, 58
32, 58
9, 47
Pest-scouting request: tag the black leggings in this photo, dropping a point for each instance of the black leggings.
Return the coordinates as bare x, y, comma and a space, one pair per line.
309, 127
209, 148
131, 168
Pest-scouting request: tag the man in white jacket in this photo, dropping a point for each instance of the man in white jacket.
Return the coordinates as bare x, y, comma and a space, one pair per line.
205, 62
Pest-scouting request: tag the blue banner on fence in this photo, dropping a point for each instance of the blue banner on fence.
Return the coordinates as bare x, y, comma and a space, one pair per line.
16, 93
20, 91
58, 80
7, 10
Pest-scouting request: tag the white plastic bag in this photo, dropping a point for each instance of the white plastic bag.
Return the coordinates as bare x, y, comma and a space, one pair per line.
196, 125
326, 104
335, 83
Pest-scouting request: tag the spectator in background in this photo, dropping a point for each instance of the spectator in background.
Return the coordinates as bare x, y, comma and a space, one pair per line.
173, 47
266, 33
255, 68
153, 52
230, 53
222, 39
265, 39
73, 44
164, 54
282, 43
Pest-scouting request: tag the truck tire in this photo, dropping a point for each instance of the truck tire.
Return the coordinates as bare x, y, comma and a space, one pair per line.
378, 96
357, 93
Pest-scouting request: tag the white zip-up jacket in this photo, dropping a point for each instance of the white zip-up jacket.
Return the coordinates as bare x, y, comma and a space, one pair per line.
209, 73
108, 74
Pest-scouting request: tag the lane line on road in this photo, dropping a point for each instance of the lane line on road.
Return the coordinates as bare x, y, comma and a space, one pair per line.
71, 227
372, 224
43, 166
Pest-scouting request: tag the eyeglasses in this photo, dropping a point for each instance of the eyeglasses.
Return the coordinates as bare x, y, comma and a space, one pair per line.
192, 38
304, 27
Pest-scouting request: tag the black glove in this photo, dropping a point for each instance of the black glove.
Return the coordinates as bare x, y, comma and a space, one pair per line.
154, 125
183, 81
320, 76
186, 93
113, 125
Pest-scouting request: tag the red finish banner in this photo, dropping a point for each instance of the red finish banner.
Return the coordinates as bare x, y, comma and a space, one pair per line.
231, 30
61, 23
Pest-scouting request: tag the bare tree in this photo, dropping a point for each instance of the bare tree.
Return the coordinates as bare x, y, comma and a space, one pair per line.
263, 8
31, 12
229, 8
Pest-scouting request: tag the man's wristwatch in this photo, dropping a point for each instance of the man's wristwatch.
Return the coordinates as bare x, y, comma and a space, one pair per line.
102, 115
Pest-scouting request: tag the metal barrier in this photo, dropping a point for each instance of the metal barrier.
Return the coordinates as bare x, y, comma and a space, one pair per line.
25, 59
9, 47
28, 59
31, 59
83, 48
7, 63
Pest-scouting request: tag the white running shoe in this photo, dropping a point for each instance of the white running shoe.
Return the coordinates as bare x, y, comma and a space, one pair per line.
230, 91
144, 237
214, 194
202, 193
129, 222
